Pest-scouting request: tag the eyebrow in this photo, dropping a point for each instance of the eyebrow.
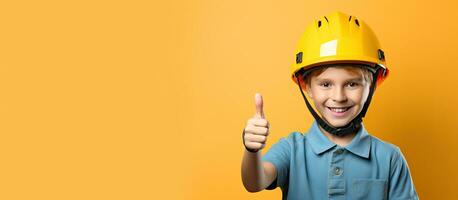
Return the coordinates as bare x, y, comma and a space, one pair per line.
355, 80
359, 79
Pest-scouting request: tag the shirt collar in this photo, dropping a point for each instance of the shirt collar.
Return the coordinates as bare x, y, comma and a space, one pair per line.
318, 141
360, 144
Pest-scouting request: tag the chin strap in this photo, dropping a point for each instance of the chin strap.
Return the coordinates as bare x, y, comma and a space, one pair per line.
355, 124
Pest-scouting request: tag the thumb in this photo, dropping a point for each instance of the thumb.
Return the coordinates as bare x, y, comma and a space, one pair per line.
259, 105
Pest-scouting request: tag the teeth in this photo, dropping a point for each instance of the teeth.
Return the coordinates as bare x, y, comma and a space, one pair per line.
339, 110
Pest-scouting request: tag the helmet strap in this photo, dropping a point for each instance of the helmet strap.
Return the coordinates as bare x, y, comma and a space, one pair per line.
355, 124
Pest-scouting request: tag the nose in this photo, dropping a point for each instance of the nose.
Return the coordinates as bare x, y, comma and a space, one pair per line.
338, 95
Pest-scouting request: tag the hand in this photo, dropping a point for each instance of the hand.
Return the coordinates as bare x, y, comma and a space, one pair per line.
257, 128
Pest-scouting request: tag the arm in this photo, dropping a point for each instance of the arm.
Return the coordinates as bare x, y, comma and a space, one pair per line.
256, 174
401, 186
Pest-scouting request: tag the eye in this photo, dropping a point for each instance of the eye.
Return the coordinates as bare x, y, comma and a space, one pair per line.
352, 84
325, 84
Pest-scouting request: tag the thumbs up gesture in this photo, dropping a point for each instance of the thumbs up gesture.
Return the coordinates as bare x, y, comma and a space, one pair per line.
257, 128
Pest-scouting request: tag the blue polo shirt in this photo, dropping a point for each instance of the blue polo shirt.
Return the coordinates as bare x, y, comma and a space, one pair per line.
312, 167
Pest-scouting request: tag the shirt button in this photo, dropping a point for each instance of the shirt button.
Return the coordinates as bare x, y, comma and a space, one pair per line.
338, 151
338, 171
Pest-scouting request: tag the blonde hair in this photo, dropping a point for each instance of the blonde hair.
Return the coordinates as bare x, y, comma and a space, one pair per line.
367, 74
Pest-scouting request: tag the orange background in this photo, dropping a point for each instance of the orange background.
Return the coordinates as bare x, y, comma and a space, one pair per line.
147, 100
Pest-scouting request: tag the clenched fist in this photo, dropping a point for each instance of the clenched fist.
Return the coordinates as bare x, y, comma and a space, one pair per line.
257, 128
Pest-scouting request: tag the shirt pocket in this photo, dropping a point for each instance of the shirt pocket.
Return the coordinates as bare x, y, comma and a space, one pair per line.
374, 189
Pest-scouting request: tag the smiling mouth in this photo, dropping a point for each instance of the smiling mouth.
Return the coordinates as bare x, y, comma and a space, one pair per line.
339, 109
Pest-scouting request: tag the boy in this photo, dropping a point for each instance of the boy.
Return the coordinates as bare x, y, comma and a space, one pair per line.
339, 63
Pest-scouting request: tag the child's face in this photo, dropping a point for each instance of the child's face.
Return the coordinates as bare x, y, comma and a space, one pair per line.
339, 94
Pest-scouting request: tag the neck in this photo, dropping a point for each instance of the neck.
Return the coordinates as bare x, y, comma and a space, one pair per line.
342, 140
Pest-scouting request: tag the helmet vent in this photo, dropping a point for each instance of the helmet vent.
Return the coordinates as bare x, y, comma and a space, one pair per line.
299, 57
381, 55
356, 21
349, 19
319, 24
326, 19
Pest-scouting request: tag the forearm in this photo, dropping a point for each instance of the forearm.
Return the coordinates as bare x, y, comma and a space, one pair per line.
253, 175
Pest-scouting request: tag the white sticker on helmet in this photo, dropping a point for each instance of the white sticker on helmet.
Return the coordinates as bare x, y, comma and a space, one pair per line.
328, 48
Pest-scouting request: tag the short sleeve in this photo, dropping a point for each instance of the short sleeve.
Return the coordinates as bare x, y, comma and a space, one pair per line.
401, 185
279, 155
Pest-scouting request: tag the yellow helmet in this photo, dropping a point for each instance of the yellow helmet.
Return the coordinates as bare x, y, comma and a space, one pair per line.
338, 38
